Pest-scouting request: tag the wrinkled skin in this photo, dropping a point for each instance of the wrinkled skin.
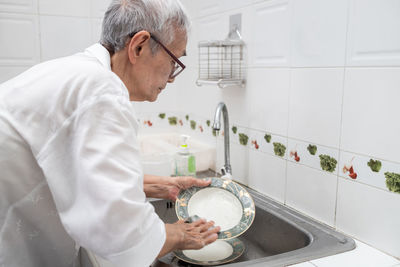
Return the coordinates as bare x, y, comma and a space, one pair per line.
181, 235
194, 235
169, 187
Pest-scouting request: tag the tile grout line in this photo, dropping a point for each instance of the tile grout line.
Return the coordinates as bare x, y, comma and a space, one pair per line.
340, 144
287, 136
39, 32
290, 52
368, 185
341, 111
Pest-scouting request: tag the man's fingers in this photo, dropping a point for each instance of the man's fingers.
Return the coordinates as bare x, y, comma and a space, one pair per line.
214, 230
185, 182
202, 182
211, 238
206, 226
199, 222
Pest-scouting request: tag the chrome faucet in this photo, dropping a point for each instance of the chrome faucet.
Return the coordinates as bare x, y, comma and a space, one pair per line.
216, 127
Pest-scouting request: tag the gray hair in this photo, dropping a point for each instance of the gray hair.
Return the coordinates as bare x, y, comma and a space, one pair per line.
159, 17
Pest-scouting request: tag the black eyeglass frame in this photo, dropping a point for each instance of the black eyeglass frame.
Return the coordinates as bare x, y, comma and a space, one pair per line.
177, 61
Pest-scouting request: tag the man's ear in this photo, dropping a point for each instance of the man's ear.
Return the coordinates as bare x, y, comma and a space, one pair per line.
136, 45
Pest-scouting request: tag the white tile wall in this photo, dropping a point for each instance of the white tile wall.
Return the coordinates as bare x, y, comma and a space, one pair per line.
96, 29
19, 6
212, 28
99, 7
271, 33
21, 48
267, 174
235, 3
75, 8
315, 105
8, 72
370, 214
373, 38
201, 100
268, 90
240, 160
38, 30
328, 99
312, 192
370, 112
319, 33
208, 7
59, 40
192, 49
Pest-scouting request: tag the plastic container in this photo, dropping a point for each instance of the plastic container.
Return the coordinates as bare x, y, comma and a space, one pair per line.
185, 162
158, 164
158, 152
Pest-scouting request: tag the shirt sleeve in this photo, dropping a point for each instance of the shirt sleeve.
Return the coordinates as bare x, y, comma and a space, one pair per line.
93, 170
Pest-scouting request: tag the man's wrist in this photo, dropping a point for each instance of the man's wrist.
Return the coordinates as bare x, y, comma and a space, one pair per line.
174, 239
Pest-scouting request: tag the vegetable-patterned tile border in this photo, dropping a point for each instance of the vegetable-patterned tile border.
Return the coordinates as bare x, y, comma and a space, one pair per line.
239, 135
259, 140
371, 171
268, 143
313, 155
158, 120
185, 121
368, 170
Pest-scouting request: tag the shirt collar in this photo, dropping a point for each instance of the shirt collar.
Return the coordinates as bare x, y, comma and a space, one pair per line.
101, 53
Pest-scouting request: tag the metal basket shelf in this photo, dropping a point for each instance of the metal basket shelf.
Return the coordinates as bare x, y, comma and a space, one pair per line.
221, 63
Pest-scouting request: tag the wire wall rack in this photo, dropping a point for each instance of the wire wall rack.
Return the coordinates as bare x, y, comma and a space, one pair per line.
221, 62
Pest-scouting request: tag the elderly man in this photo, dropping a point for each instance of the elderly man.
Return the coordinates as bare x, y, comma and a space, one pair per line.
69, 158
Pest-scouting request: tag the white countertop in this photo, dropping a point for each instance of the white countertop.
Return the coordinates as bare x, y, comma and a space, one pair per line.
362, 256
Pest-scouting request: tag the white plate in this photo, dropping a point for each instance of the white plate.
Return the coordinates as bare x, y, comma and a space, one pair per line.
219, 252
225, 202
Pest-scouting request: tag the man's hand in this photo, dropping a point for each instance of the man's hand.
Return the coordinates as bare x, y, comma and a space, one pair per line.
194, 235
169, 187
184, 182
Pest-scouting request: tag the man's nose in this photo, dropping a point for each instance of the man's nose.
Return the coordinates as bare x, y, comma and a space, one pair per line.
171, 80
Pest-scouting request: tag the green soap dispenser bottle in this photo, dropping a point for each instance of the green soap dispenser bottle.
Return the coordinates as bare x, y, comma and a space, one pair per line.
185, 162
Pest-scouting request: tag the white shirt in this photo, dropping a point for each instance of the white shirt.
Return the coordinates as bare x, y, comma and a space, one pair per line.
70, 173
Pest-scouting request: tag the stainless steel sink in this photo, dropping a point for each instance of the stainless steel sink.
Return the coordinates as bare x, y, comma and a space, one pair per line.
278, 236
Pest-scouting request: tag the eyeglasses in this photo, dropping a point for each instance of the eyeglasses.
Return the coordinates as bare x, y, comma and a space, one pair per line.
178, 66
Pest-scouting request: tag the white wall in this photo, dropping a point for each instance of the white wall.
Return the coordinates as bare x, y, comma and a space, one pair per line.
320, 72
32, 31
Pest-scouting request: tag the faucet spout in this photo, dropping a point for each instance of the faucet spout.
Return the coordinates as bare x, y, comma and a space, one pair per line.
221, 109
